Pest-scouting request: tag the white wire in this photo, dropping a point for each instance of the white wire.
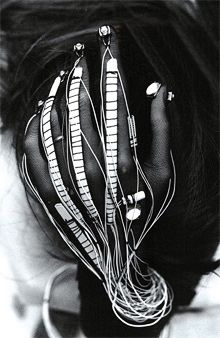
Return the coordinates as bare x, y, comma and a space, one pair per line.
138, 299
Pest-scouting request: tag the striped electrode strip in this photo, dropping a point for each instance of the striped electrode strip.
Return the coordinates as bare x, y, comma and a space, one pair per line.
80, 234
50, 151
132, 131
111, 136
76, 141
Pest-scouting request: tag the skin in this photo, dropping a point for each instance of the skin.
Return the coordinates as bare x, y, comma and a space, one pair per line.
20, 235
157, 164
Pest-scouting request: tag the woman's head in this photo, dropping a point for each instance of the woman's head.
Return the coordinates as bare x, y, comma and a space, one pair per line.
157, 41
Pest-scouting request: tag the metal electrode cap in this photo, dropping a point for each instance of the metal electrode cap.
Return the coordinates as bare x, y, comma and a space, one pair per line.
104, 31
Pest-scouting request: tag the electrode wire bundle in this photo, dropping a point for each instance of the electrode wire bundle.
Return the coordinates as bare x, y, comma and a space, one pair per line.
139, 298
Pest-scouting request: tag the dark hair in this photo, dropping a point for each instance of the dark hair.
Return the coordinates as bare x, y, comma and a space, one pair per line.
174, 41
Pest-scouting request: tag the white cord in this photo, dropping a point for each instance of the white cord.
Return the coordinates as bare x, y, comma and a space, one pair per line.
138, 299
